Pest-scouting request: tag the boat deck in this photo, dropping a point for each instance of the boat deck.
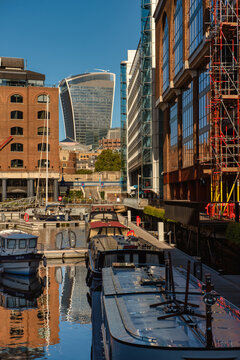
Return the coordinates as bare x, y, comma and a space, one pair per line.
128, 296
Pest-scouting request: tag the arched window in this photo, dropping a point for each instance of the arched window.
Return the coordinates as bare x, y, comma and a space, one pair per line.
16, 130
43, 114
16, 163
195, 24
43, 99
16, 147
16, 114
43, 163
43, 131
165, 65
43, 147
178, 46
16, 98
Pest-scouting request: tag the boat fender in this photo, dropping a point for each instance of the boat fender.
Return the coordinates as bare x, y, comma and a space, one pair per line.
131, 233
26, 217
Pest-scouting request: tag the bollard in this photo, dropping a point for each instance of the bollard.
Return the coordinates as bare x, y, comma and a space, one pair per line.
129, 214
161, 231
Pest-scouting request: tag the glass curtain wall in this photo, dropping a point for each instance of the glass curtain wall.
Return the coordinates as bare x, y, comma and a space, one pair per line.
165, 66
204, 116
187, 126
195, 24
173, 138
178, 46
146, 92
123, 92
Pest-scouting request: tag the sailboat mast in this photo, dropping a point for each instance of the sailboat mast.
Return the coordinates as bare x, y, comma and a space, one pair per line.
47, 154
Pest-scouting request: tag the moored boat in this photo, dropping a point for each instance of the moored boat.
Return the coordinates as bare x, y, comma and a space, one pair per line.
18, 252
158, 312
107, 228
103, 251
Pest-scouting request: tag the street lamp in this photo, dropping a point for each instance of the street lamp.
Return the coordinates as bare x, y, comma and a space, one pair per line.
139, 176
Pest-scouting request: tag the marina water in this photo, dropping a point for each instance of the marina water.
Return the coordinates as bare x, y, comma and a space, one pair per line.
57, 323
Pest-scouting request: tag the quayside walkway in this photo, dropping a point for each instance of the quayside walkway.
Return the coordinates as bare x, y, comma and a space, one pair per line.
227, 286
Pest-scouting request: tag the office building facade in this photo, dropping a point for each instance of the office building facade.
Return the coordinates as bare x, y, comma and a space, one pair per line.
87, 104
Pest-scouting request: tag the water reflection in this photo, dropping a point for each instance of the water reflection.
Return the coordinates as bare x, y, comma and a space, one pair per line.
40, 316
47, 237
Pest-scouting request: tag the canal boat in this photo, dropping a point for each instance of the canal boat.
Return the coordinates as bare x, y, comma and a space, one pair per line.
18, 252
53, 212
160, 312
105, 250
107, 228
103, 216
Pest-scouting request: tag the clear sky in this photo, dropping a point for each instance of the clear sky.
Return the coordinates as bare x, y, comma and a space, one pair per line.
60, 38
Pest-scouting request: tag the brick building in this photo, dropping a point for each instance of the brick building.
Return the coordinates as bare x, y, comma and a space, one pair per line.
182, 97
26, 106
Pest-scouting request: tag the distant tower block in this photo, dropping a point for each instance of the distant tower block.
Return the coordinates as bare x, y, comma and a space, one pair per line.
87, 103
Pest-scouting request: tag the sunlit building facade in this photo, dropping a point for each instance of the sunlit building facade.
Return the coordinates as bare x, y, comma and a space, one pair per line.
87, 104
183, 97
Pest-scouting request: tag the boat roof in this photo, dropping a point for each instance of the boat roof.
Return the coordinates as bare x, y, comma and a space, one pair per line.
16, 234
106, 224
106, 243
129, 293
102, 208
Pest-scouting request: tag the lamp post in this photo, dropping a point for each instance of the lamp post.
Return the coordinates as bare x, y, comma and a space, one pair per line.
139, 176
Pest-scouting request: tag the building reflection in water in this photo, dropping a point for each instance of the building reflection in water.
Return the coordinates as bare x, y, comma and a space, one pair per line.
30, 309
73, 301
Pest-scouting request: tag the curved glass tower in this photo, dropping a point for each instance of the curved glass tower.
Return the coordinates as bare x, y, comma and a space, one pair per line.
87, 105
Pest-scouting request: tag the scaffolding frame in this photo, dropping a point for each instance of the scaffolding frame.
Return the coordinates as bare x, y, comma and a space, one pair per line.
224, 31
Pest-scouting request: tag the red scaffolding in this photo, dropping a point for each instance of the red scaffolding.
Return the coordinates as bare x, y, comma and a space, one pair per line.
224, 106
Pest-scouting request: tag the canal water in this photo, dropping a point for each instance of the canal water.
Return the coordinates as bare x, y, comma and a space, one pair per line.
47, 316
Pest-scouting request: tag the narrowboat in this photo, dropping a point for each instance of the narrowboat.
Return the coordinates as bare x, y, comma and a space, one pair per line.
161, 312
107, 228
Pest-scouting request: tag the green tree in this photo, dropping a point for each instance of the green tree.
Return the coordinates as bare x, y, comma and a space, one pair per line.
108, 161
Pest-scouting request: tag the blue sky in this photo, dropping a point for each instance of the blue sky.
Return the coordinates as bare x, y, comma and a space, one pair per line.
61, 38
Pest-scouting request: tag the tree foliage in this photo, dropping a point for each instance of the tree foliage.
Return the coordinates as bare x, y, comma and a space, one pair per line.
108, 161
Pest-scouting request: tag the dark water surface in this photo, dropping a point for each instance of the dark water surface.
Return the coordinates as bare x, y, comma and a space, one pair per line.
46, 316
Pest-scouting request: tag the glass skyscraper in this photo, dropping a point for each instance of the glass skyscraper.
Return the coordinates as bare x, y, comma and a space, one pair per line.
87, 103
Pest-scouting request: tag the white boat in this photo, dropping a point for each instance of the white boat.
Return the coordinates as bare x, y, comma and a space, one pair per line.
18, 252
158, 312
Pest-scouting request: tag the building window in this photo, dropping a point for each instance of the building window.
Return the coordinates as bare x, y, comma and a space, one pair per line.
43, 163
173, 151
43, 147
165, 66
195, 24
16, 163
187, 126
42, 115
64, 165
43, 99
178, 47
16, 114
16, 98
204, 116
16, 147
16, 130
43, 131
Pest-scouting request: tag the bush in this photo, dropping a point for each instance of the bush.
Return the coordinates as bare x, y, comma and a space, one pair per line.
233, 233
152, 211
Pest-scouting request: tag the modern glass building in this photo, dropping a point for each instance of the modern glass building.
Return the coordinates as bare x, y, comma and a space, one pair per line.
87, 104
123, 94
